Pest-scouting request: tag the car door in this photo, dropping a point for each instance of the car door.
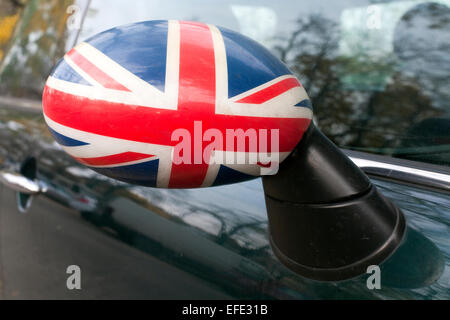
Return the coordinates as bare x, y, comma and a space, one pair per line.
137, 242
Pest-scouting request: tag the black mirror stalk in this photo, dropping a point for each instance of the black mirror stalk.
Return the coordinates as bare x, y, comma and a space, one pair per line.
326, 220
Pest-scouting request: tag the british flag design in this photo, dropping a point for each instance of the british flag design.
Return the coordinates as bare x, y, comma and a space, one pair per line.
114, 100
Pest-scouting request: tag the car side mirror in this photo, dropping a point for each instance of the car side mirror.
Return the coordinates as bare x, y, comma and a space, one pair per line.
178, 104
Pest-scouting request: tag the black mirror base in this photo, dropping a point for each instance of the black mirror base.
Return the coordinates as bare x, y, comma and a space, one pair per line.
326, 219
332, 244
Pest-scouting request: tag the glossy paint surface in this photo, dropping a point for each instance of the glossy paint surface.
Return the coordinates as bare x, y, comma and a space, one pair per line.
138, 242
116, 102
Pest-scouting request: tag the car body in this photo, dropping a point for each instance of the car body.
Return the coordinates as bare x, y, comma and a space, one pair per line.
145, 243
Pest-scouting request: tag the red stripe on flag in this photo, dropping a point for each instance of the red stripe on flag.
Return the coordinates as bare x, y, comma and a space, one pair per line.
271, 92
97, 74
114, 159
196, 96
136, 123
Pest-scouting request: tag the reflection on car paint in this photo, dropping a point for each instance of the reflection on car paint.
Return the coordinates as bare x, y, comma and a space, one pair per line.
231, 248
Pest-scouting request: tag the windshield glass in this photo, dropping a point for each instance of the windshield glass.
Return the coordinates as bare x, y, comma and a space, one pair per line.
377, 72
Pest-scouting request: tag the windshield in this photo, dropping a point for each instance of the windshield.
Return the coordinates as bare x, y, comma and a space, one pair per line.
377, 72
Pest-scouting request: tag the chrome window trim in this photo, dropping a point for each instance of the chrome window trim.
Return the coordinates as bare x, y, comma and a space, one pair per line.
403, 171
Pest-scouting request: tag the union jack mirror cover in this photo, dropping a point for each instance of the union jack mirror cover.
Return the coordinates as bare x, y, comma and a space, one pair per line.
175, 104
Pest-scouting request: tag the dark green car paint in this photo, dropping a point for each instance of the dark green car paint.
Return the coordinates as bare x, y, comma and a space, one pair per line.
194, 243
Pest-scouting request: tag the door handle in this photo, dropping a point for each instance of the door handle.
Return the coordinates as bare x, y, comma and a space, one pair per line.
20, 183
